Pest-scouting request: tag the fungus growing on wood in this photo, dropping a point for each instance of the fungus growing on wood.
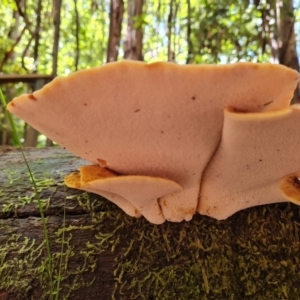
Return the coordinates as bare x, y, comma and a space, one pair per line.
161, 121
254, 164
142, 192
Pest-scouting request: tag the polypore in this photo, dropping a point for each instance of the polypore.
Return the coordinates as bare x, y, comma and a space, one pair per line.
150, 130
257, 152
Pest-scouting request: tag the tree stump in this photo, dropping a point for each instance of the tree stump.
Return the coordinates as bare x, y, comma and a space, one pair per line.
98, 252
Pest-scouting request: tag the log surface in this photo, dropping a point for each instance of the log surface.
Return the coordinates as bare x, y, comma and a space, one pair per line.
108, 255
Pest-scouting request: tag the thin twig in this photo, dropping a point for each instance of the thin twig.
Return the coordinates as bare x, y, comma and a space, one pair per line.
24, 16
24, 53
8, 53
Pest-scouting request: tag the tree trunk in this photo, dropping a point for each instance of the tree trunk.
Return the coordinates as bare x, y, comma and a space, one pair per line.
115, 29
284, 49
109, 255
190, 49
173, 6
37, 36
5, 129
77, 28
31, 137
133, 44
56, 23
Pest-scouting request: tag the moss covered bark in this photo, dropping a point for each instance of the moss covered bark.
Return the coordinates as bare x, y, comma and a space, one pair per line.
108, 255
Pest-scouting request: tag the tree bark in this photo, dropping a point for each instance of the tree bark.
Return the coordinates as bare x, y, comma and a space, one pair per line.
283, 39
115, 29
56, 23
108, 255
190, 49
173, 6
77, 28
31, 137
37, 36
133, 44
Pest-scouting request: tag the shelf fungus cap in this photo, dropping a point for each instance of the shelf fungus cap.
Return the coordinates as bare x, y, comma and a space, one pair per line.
154, 122
256, 163
136, 195
86, 174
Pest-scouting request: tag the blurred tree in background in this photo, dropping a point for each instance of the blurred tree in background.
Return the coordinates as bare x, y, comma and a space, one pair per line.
56, 37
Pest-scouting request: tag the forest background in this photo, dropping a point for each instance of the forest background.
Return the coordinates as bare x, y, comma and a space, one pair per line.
41, 39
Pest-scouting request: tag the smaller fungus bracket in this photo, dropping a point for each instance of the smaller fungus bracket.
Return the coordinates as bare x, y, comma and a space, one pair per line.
289, 187
86, 174
134, 194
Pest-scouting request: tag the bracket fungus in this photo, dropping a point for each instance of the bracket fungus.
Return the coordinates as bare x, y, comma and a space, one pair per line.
255, 152
143, 191
151, 132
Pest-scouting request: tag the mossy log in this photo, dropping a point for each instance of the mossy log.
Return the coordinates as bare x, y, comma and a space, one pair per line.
100, 253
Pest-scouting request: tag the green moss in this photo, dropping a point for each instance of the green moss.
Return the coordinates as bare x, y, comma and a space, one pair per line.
23, 263
17, 257
17, 194
207, 259
24, 272
253, 255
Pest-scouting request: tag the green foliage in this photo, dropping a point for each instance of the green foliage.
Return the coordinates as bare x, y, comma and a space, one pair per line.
220, 31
